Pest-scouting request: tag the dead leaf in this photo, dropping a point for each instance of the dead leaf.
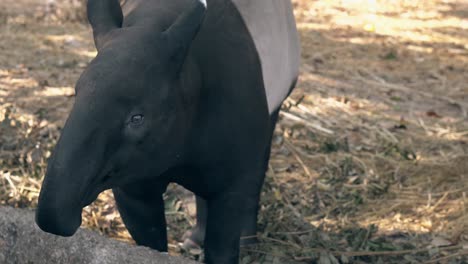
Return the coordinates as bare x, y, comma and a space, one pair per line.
440, 242
433, 114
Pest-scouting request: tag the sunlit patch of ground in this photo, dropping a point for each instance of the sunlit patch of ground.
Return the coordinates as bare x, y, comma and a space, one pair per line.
370, 157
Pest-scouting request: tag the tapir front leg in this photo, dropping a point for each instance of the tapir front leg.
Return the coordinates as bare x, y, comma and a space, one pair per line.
227, 212
249, 227
141, 207
224, 228
195, 237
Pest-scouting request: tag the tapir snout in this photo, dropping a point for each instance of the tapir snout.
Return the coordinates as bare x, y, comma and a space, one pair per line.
53, 220
57, 212
62, 199
73, 178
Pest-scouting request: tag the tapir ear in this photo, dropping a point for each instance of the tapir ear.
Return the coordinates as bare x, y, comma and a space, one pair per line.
104, 16
185, 28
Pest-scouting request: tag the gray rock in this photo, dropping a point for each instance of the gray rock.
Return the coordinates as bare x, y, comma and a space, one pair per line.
22, 242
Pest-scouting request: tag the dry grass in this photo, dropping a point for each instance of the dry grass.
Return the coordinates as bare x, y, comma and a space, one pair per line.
370, 157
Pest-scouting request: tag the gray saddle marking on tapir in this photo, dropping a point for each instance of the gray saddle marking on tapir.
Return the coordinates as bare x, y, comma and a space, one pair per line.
273, 29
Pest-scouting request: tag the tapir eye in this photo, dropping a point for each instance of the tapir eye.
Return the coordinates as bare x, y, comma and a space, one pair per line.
137, 119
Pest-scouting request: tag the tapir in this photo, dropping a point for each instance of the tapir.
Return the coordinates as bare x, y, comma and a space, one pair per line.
184, 91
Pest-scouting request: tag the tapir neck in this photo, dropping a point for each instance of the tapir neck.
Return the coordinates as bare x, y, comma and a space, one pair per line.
190, 86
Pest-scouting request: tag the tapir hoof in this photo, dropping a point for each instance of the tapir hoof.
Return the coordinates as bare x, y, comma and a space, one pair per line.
195, 235
193, 239
248, 240
190, 246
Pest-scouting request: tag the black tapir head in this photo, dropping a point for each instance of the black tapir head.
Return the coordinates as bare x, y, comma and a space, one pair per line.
129, 117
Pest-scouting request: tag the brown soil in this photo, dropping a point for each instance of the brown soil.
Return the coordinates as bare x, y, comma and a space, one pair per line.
370, 157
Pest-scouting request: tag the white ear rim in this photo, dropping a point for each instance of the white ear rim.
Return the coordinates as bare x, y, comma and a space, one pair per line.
203, 2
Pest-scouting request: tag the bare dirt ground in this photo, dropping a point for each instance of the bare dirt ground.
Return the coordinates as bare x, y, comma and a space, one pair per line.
370, 157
